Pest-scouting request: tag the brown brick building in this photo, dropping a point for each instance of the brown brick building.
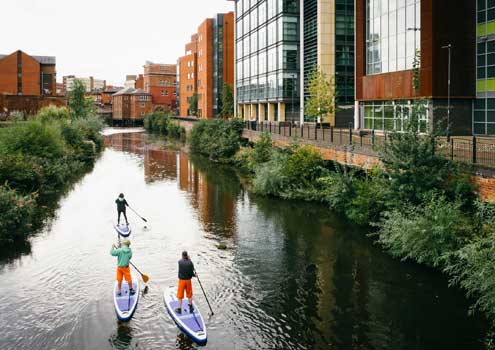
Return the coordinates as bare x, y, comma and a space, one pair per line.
188, 76
22, 74
215, 64
130, 106
160, 81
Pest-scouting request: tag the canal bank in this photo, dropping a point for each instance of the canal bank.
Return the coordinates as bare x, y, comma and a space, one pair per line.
289, 265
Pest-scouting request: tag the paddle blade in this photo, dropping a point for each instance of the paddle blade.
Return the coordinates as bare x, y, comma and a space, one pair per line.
145, 278
144, 220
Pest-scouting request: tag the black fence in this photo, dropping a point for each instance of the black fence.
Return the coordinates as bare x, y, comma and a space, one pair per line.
470, 150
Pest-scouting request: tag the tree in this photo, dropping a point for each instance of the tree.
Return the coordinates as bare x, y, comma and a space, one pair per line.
193, 104
79, 105
321, 95
227, 101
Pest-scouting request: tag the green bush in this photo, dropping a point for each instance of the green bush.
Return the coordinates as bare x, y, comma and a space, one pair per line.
263, 149
21, 172
473, 268
16, 213
53, 113
426, 233
162, 123
217, 139
33, 138
304, 166
39, 158
270, 177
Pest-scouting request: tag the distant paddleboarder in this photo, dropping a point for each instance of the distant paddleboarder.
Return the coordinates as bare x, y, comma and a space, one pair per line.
121, 204
186, 273
124, 255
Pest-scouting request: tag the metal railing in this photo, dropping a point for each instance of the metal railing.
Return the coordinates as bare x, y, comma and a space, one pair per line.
473, 150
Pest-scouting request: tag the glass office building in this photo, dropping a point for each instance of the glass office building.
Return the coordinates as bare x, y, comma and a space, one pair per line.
267, 59
279, 43
484, 105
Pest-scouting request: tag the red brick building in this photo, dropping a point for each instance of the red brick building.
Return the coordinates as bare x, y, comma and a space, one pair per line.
214, 65
22, 74
160, 82
188, 76
130, 106
27, 83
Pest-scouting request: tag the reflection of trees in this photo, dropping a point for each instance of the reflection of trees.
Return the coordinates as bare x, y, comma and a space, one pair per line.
213, 193
338, 291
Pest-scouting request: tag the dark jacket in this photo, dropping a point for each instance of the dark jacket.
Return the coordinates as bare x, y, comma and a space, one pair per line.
121, 204
186, 269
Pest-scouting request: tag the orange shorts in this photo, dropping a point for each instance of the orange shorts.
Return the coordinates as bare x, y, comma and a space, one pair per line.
184, 285
124, 272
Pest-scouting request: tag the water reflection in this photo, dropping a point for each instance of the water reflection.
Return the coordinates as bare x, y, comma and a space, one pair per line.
122, 339
295, 276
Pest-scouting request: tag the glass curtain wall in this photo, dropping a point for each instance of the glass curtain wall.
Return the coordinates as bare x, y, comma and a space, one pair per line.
344, 51
484, 105
267, 46
392, 35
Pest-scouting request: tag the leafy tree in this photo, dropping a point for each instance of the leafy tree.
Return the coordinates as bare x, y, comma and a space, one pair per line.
321, 94
415, 168
193, 104
80, 106
227, 101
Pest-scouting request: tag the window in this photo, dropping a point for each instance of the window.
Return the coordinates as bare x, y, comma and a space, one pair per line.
272, 33
392, 115
290, 29
392, 35
166, 93
143, 104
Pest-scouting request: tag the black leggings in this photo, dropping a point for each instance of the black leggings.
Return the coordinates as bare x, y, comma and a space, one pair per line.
125, 216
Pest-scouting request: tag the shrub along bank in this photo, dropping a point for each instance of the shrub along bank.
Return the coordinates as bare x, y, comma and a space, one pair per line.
38, 158
161, 122
421, 206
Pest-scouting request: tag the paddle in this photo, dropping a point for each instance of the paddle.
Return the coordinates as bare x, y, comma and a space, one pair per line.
143, 276
204, 293
138, 214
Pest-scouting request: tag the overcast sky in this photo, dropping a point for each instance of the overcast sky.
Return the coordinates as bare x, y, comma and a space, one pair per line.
103, 38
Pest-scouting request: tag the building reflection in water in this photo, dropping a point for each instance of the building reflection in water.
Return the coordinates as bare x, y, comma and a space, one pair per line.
212, 191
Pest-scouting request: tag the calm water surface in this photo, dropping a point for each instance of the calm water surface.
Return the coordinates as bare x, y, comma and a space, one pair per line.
294, 276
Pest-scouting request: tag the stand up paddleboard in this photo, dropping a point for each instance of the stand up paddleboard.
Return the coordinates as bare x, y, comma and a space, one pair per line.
125, 304
191, 323
123, 230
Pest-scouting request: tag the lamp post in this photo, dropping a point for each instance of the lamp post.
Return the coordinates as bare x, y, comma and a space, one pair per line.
448, 47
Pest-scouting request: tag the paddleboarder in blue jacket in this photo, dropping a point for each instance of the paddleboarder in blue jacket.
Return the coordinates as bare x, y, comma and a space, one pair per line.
121, 204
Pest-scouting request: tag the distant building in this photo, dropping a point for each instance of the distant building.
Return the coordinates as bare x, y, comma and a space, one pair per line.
160, 81
27, 83
92, 85
130, 106
188, 76
60, 90
213, 65
22, 74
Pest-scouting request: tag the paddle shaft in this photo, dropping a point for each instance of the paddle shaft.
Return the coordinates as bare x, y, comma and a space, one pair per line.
135, 212
204, 293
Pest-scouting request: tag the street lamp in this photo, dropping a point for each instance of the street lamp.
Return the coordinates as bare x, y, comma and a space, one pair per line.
448, 47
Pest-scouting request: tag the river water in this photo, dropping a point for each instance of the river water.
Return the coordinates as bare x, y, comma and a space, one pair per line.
293, 276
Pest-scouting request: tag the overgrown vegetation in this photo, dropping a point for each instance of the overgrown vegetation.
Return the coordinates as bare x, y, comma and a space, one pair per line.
38, 158
418, 205
217, 139
162, 123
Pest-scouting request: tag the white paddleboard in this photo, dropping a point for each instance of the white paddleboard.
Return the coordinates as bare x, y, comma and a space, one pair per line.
191, 323
125, 304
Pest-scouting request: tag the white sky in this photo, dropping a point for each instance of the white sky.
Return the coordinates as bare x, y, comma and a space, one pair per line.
103, 38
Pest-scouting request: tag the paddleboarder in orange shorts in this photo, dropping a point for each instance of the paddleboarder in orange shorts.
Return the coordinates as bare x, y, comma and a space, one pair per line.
186, 273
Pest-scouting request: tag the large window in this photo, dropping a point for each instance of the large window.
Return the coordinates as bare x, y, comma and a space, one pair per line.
486, 59
484, 117
486, 11
392, 35
392, 115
